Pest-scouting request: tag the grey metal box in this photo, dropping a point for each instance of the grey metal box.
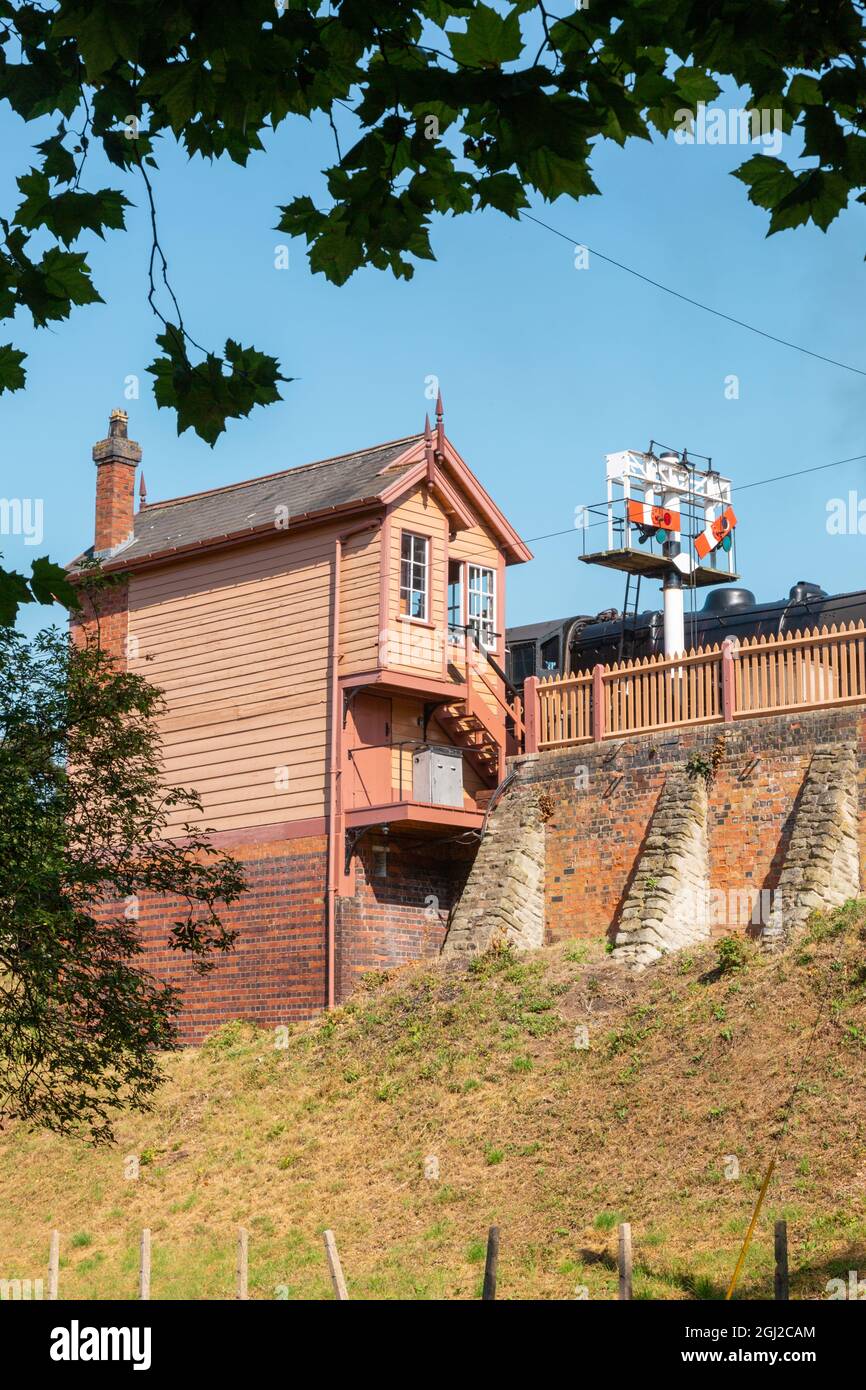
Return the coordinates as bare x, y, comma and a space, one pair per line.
437, 775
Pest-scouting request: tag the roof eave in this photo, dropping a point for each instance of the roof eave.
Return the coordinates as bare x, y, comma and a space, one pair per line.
231, 538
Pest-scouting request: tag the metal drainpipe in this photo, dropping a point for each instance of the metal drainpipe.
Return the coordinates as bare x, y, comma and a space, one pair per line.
335, 767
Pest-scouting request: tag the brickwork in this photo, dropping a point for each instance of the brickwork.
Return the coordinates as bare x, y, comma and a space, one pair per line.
604, 796
115, 493
109, 626
402, 917
277, 970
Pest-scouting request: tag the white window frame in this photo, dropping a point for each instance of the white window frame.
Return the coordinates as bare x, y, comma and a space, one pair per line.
408, 590
486, 628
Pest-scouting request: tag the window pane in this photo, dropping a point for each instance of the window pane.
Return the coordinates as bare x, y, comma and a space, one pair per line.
481, 606
413, 575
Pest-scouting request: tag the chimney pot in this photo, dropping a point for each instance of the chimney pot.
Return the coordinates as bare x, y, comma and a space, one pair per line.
117, 423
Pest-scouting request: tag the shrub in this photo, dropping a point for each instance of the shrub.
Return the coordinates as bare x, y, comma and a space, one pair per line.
731, 954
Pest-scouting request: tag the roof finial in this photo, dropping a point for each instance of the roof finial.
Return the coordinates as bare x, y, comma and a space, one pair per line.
142, 494
440, 428
428, 448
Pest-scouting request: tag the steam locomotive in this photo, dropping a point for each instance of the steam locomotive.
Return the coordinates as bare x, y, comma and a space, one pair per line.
568, 645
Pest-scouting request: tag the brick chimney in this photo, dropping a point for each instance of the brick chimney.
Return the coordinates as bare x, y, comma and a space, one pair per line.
116, 458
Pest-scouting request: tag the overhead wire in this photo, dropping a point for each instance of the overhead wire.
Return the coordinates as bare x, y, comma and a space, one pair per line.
696, 303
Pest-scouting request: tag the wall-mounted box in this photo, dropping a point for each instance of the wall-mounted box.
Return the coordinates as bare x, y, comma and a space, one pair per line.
437, 775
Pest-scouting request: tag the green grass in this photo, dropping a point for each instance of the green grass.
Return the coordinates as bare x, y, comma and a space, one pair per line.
554, 1145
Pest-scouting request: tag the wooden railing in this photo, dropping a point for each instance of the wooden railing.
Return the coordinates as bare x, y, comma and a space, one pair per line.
475, 663
564, 716
713, 684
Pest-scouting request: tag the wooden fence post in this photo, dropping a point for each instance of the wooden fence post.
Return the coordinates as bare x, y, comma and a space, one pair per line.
491, 1264
597, 704
243, 1263
531, 715
625, 1260
54, 1264
781, 1293
144, 1265
335, 1268
728, 687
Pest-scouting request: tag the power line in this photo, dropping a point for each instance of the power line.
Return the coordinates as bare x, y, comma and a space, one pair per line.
761, 482
819, 468
696, 303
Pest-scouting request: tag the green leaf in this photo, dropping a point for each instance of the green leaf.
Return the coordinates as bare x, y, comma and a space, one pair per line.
793, 199
804, 91
12, 373
553, 175
205, 396
67, 277
818, 196
823, 137
68, 214
490, 39
181, 92
502, 191
767, 179
104, 33
335, 252
57, 160
300, 217
49, 583
13, 593
694, 85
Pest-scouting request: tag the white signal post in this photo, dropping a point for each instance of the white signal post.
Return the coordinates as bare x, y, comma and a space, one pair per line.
675, 618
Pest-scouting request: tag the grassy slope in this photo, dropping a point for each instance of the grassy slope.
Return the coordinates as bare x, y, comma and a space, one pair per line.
552, 1143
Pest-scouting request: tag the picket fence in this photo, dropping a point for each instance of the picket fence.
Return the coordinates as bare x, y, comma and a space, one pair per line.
723, 683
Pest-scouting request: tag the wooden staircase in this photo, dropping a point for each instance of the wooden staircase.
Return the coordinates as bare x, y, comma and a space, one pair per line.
469, 720
465, 723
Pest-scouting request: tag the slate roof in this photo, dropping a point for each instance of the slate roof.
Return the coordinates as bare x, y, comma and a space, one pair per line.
310, 488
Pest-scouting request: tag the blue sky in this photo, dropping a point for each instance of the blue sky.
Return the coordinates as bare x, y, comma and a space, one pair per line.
544, 368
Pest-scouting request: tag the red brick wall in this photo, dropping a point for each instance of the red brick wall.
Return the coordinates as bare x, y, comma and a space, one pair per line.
115, 503
604, 796
277, 970
109, 626
402, 918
